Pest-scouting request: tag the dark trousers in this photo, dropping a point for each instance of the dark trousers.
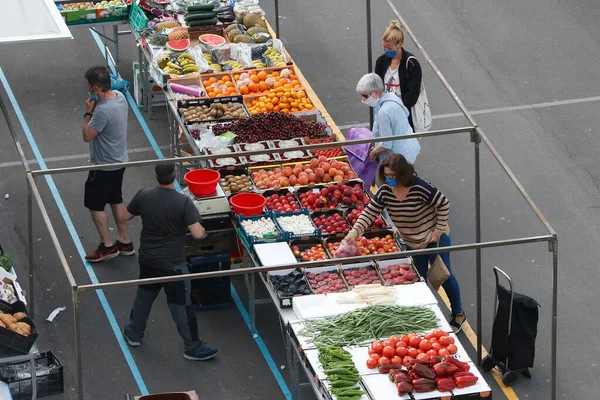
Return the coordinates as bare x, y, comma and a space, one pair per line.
178, 300
451, 285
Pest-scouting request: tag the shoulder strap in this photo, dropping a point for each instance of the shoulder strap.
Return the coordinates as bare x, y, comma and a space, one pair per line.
408, 60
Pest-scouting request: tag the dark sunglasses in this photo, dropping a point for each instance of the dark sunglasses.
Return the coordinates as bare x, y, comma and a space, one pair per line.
365, 96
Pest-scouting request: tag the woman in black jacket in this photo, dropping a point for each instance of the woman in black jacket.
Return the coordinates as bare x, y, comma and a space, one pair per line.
399, 77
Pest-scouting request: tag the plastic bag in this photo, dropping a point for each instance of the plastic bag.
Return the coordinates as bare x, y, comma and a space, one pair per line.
347, 249
117, 83
208, 140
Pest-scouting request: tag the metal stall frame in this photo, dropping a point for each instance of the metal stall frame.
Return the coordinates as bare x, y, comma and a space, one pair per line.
477, 136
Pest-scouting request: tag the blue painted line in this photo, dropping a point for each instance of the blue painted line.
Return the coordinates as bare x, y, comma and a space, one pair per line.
261, 344
65, 214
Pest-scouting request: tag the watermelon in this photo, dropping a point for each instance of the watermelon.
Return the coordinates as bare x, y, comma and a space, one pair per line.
178, 45
212, 40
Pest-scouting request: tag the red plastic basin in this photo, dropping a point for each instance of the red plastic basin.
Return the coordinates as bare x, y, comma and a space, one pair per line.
248, 203
202, 181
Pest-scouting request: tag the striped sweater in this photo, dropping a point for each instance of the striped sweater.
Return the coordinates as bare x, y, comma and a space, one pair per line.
424, 210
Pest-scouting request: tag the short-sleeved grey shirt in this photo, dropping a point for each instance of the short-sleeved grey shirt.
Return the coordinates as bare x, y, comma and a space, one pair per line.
165, 216
110, 121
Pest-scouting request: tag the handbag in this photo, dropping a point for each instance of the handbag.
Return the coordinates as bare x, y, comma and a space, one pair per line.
420, 112
438, 273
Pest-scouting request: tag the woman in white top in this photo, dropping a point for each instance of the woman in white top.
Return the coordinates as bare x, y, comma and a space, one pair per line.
401, 75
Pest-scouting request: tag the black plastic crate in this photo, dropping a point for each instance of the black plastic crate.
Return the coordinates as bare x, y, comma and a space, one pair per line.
210, 292
48, 372
13, 340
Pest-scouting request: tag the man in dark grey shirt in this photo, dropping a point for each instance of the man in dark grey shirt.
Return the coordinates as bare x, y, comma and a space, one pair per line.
165, 216
105, 129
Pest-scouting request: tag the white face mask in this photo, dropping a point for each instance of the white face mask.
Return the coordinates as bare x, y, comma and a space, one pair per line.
371, 101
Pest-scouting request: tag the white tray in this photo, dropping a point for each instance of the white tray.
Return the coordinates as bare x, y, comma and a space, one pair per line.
304, 342
313, 306
360, 355
278, 253
415, 294
380, 388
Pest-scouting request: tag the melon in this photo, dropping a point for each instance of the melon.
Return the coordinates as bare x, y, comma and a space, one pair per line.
212, 40
178, 45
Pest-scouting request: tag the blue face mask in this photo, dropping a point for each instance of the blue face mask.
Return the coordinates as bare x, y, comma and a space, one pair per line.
390, 53
390, 181
93, 96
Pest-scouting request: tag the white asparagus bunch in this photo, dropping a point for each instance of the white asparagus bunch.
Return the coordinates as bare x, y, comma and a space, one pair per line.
370, 294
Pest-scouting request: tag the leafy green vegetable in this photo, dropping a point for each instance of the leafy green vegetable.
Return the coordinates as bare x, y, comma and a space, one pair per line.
6, 262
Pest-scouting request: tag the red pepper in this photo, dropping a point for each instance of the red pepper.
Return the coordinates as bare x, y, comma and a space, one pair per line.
435, 360
424, 385
462, 366
456, 375
423, 372
403, 388
385, 368
402, 377
445, 384
396, 374
445, 369
464, 381
414, 361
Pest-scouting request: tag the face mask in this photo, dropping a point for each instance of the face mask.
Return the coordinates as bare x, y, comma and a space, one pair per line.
371, 101
93, 96
390, 181
390, 53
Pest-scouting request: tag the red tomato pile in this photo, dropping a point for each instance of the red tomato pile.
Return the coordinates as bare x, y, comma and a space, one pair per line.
283, 203
355, 213
328, 153
334, 195
361, 276
331, 223
399, 350
326, 282
317, 252
399, 274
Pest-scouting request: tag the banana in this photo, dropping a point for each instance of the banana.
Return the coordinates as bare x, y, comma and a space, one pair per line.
186, 55
191, 69
174, 66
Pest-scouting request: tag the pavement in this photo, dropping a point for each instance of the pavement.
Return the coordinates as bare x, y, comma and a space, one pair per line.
526, 69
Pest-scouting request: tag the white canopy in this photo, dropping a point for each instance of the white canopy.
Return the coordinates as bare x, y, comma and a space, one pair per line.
32, 20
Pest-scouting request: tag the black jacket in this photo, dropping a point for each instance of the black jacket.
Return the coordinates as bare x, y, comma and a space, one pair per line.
410, 80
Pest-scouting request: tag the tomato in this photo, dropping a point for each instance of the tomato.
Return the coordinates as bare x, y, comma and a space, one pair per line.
436, 346
425, 345
438, 333
401, 351
433, 340
406, 359
444, 341
443, 353
370, 351
432, 353
383, 360
414, 342
396, 360
423, 357
389, 351
371, 363
427, 336
452, 349
412, 352
386, 343
393, 340
451, 339
375, 356
404, 338
377, 347
402, 343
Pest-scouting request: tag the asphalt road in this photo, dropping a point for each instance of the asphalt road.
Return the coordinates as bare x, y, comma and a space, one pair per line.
494, 54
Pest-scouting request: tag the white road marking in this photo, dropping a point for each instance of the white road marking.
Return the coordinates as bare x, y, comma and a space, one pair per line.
496, 110
76, 157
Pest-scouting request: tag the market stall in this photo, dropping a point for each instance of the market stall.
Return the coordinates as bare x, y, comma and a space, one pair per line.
220, 88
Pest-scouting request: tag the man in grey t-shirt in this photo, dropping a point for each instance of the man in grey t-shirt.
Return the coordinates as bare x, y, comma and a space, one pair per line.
105, 129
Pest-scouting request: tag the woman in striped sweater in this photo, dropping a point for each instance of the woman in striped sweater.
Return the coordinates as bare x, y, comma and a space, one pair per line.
420, 212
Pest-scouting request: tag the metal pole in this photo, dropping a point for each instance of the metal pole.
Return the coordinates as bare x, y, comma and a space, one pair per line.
554, 249
30, 247
369, 54
476, 141
116, 34
77, 332
277, 18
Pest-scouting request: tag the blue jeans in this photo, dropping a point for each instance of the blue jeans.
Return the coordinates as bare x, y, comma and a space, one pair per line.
451, 285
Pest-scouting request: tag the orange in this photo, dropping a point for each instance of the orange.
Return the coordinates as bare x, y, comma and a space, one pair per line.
255, 78
262, 87
277, 85
262, 75
231, 90
254, 102
253, 72
212, 80
244, 90
294, 109
236, 77
226, 78
276, 109
253, 87
294, 82
228, 84
210, 89
275, 73
271, 95
220, 82
269, 106
275, 100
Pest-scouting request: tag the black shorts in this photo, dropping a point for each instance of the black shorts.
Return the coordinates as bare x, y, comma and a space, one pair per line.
103, 187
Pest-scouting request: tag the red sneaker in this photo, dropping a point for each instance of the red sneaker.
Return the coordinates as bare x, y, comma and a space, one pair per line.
102, 253
126, 249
